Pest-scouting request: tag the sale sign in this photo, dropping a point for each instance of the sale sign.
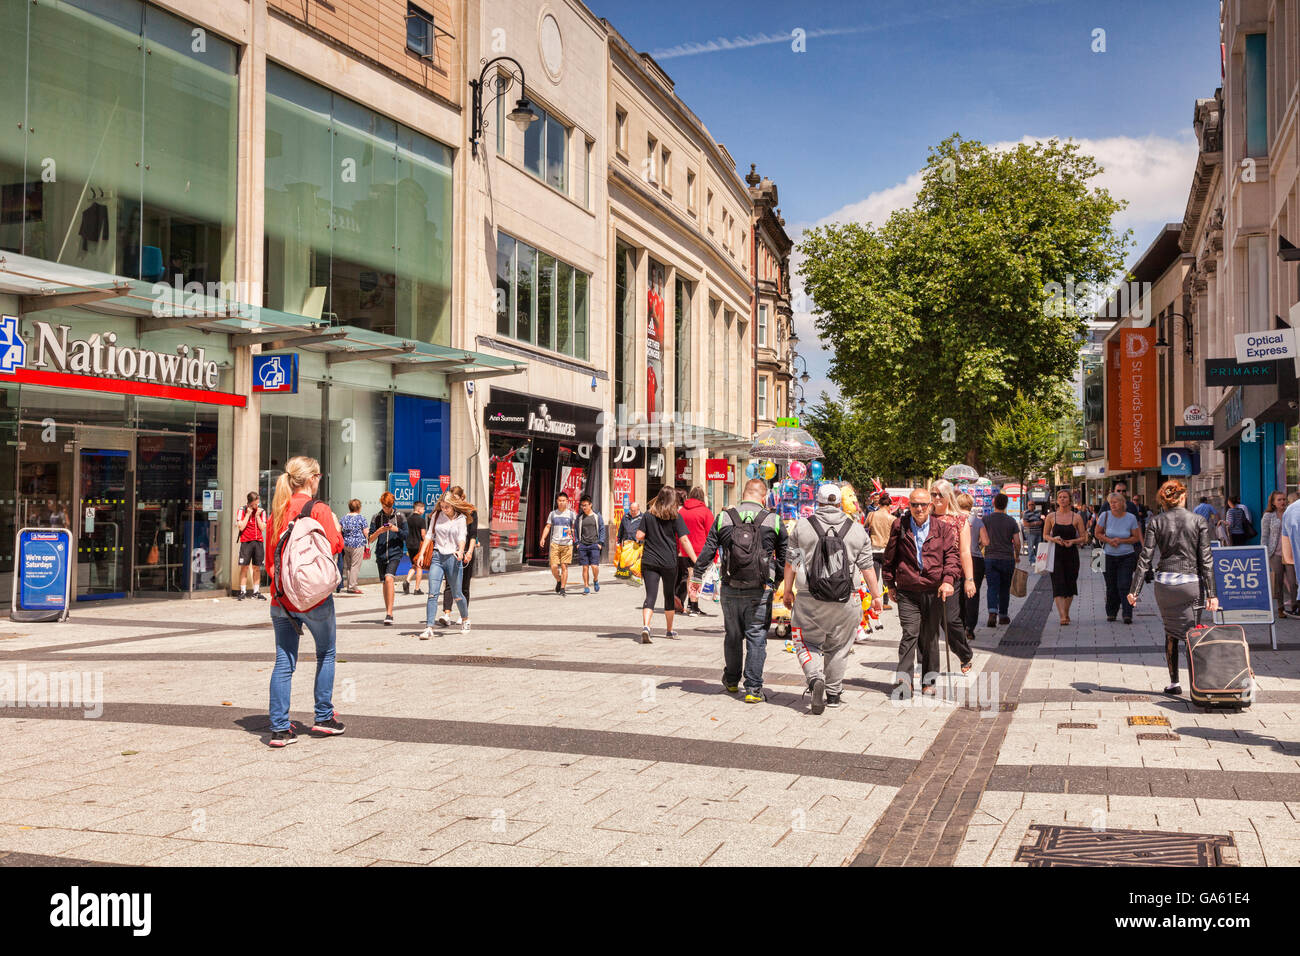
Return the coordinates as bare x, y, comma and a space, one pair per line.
572, 481
623, 480
506, 484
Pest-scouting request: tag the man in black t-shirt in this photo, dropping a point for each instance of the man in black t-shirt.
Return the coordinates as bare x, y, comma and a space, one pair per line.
414, 538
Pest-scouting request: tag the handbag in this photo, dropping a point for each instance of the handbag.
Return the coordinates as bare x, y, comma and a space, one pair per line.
152, 556
1019, 582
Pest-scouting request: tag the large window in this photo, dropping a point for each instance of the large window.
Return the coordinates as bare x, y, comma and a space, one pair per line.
762, 326
546, 149
358, 214
120, 140
542, 298
682, 348
1255, 94
762, 397
624, 329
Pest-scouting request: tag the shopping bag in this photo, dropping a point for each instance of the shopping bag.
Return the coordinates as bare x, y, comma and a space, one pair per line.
622, 570
1098, 560
1045, 559
710, 579
1019, 582
635, 564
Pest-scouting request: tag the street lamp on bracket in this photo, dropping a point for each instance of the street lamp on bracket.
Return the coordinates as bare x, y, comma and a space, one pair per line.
522, 115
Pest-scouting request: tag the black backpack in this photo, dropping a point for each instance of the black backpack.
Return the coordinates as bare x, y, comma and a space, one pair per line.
746, 563
829, 573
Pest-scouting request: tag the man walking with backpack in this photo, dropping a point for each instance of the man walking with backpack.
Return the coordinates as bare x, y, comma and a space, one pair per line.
825, 548
753, 543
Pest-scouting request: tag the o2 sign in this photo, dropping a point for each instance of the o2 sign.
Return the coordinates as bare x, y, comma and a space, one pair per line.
1180, 462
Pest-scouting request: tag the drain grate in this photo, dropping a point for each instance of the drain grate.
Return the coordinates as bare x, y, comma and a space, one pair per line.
1082, 846
1158, 737
1076, 726
1149, 721
1135, 698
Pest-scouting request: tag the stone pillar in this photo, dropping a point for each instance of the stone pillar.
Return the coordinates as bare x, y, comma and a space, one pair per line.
249, 215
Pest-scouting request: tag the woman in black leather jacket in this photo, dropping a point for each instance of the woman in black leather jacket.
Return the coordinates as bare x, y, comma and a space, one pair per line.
1186, 570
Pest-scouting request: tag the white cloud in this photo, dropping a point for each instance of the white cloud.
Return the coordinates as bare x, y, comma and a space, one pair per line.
693, 48
1152, 172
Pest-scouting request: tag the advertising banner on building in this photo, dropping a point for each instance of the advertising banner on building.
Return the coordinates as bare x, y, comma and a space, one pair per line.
572, 481
655, 342
623, 481
42, 589
1135, 414
506, 484
715, 469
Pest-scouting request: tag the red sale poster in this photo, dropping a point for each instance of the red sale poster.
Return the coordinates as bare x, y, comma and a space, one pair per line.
572, 481
505, 496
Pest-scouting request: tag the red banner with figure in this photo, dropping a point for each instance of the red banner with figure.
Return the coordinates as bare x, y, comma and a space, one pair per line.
655, 342
572, 481
505, 496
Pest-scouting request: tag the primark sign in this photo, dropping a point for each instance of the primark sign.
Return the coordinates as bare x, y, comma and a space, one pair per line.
54, 349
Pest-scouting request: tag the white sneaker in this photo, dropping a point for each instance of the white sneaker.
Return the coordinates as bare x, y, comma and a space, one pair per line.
464, 625
427, 633
444, 619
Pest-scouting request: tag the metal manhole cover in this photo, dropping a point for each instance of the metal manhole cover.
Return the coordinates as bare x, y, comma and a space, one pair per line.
1082, 846
1147, 720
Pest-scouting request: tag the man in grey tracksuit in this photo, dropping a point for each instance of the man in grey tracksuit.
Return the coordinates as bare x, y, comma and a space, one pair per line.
822, 628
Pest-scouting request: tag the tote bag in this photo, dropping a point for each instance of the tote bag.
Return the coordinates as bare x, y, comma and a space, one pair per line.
1019, 582
1045, 559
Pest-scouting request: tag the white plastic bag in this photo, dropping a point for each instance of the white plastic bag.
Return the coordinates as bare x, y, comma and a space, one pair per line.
1045, 559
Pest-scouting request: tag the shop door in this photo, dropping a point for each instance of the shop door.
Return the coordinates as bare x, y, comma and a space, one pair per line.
102, 520
162, 545
541, 499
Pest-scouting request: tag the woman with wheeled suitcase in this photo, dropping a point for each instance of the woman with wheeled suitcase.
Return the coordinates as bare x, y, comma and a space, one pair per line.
1185, 572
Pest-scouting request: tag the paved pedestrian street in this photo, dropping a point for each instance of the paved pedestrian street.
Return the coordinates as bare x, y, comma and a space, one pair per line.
548, 736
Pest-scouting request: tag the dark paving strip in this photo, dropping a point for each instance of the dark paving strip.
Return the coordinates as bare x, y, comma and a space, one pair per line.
709, 675
1091, 693
827, 764
14, 858
1102, 650
1147, 782
925, 824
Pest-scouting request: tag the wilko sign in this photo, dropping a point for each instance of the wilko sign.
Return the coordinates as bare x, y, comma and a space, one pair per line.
715, 469
506, 484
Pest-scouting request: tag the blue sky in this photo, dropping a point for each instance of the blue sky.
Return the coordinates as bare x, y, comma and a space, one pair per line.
842, 126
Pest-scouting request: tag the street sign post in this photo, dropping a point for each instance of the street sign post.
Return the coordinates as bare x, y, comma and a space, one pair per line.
42, 589
1241, 578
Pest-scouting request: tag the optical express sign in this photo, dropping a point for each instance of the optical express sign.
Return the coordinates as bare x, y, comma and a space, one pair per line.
52, 356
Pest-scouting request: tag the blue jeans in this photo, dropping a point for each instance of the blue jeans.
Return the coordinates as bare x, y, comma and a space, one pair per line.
446, 566
288, 626
1033, 539
997, 575
1118, 571
745, 615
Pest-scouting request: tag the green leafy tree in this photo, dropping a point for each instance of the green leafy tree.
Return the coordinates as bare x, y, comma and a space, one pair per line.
1025, 441
975, 293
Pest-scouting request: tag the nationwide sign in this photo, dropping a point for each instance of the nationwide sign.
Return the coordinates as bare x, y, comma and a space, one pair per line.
98, 363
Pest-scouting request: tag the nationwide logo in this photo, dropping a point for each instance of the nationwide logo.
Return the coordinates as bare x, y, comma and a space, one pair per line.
271, 374
13, 350
101, 356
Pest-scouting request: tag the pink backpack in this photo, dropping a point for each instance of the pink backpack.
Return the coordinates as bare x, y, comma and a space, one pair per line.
306, 572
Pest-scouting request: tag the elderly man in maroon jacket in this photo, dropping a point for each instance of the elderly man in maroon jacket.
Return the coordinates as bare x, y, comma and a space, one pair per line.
921, 569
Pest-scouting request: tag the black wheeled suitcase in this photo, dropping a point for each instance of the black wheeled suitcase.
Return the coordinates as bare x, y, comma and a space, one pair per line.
1219, 661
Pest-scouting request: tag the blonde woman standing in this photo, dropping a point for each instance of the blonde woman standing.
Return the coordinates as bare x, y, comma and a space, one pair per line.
293, 491
947, 510
446, 535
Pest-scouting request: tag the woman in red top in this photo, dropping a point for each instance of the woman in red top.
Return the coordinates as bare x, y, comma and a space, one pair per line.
293, 490
698, 520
